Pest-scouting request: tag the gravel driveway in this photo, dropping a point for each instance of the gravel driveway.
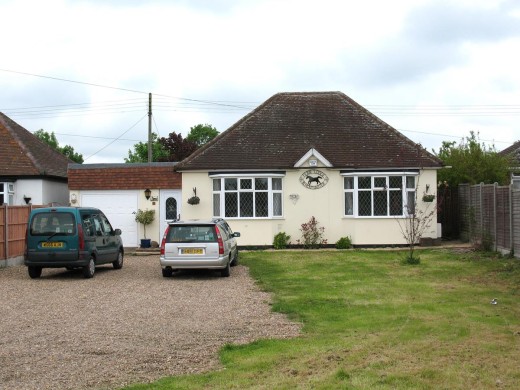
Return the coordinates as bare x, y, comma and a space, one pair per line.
132, 325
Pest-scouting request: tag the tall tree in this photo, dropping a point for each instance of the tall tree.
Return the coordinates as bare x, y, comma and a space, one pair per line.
472, 162
201, 134
140, 153
51, 140
178, 148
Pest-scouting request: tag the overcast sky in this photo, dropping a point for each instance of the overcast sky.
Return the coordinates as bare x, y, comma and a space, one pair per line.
434, 70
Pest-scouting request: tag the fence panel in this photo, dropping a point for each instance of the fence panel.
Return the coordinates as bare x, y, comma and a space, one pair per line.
13, 223
503, 219
515, 203
490, 215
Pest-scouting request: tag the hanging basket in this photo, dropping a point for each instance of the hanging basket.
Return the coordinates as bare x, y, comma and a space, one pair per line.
194, 200
428, 198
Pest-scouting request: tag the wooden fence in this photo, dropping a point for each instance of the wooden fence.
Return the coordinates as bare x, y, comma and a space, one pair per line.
490, 216
13, 224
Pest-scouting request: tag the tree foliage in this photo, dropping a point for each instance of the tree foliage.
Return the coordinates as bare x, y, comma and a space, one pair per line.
472, 162
51, 140
140, 153
177, 147
201, 134
174, 147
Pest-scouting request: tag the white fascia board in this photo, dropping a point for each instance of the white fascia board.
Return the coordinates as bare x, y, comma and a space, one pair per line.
387, 173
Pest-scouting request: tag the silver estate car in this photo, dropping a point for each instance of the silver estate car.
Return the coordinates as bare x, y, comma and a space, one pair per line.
199, 244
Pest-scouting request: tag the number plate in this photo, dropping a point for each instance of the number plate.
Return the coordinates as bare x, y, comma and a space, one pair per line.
192, 251
52, 244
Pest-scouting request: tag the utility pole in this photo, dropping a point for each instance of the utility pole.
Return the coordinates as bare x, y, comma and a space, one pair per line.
149, 127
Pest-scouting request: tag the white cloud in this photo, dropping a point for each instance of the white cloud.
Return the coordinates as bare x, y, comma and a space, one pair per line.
380, 53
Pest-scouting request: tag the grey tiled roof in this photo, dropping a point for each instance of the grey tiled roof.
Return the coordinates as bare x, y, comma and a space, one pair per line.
285, 127
23, 154
513, 150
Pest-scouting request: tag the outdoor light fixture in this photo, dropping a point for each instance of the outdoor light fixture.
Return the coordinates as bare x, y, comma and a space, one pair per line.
147, 193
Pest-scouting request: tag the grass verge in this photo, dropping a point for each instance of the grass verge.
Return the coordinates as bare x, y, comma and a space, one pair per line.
371, 322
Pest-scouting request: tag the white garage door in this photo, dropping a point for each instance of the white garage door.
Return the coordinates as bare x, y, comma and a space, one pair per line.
119, 207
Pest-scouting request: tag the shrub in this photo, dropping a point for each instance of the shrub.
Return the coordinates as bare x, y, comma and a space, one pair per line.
411, 260
312, 235
344, 243
281, 240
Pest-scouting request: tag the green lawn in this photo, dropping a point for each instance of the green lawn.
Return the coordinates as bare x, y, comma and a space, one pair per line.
371, 322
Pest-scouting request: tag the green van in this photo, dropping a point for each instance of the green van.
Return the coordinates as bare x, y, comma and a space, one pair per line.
71, 237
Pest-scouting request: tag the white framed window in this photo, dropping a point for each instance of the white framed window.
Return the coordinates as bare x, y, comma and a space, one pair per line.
379, 194
259, 196
6, 193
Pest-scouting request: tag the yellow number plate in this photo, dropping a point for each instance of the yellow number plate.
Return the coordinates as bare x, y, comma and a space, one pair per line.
52, 244
192, 251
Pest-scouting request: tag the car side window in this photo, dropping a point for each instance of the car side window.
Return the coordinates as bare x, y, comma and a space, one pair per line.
107, 228
224, 232
88, 228
228, 229
97, 225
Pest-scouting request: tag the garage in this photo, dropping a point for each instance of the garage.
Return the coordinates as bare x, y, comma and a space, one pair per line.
119, 207
122, 189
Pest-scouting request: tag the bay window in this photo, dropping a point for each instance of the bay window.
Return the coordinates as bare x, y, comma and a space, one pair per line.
379, 194
258, 196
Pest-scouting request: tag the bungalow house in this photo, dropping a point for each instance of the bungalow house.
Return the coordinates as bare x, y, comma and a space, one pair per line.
303, 155
514, 152
30, 170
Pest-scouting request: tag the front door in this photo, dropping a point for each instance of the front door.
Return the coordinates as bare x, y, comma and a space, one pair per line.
170, 208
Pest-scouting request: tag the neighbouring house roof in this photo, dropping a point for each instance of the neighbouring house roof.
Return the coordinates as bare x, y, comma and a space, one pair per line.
278, 133
22, 154
513, 150
124, 176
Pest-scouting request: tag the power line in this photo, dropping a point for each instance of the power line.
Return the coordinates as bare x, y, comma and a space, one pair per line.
115, 139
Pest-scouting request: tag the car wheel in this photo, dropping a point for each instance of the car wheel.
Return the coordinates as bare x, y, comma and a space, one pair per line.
226, 271
235, 259
89, 269
118, 264
35, 272
167, 272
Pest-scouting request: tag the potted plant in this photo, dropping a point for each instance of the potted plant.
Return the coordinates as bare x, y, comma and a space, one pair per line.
145, 217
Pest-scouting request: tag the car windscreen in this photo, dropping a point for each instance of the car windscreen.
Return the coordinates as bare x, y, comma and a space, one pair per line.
191, 233
53, 224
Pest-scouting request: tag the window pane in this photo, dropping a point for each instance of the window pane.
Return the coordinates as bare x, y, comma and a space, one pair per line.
410, 202
277, 204
348, 183
410, 181
246, 184
171, 208
380, 182
246, 204
277, 184
261, 204
216, 205
396, 182
364, 203
216, 184
364, 182
230, 184
396, 203
261, 184
231, 204
349, 203
380, 203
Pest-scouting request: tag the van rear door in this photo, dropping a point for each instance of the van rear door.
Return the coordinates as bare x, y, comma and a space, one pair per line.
52, 237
